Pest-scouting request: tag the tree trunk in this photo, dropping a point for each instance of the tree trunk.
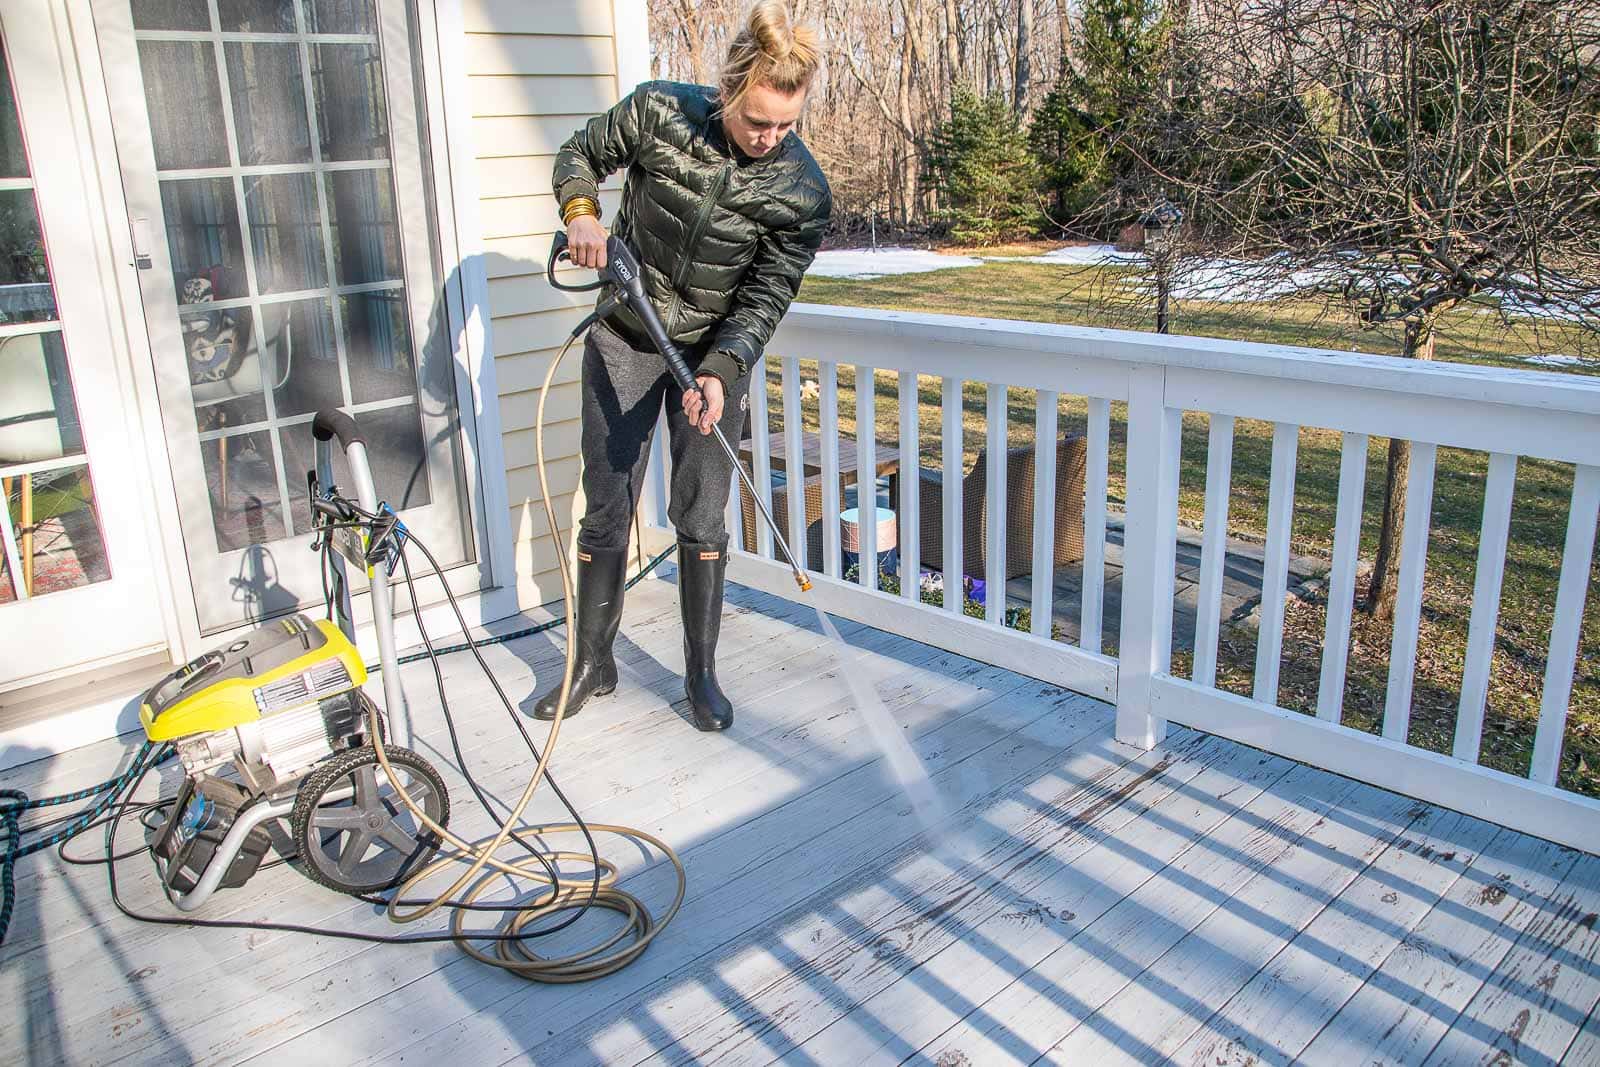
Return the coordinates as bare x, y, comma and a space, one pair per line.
955, 44
1381, 591
908, 168
1024, 46
1064, 15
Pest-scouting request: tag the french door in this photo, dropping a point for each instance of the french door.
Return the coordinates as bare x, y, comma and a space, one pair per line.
78, 585
275, 164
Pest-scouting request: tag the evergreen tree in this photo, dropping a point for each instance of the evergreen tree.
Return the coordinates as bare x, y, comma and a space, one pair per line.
987, 179
1076, 135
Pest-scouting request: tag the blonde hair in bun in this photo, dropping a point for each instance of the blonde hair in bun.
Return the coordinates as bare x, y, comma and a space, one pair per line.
771, 50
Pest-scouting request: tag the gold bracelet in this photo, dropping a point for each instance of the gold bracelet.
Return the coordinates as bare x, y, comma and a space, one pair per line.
577, 207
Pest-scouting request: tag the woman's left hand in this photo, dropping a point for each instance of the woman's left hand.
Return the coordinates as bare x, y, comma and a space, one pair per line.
707, 414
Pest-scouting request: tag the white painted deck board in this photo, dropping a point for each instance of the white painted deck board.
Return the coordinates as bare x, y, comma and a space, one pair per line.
1203, 901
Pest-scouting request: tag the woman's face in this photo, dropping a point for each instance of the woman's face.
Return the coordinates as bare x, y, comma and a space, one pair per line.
760, 122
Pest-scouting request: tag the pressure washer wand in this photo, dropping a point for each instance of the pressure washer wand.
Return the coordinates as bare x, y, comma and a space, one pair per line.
627, 285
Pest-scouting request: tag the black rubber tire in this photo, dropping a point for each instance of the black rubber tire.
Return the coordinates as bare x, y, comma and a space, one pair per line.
312, 819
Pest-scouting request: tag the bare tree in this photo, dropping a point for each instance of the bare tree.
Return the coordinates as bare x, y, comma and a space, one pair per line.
1399, 158
1019, 97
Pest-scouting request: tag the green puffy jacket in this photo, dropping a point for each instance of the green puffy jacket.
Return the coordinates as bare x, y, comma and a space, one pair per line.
724, 238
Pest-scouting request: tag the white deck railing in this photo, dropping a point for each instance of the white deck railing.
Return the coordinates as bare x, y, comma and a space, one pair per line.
1507, 414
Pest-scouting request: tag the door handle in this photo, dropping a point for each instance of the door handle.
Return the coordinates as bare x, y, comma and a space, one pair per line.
140, 228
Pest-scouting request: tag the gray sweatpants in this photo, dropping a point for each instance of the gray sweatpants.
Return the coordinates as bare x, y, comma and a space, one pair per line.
624, 389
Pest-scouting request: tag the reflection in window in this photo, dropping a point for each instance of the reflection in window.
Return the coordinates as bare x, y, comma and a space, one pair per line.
340, 16
366, 237
25, 291
38, 416
202, 220
379, 346
269, 103
171, 15
285, 232
184, 101
257, 16
13, 156
350, 76
53, 528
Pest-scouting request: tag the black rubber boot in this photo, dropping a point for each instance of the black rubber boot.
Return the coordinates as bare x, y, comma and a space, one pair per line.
700, 571
601, 575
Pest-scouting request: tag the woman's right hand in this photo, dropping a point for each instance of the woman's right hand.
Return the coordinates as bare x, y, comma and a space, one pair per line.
586, 242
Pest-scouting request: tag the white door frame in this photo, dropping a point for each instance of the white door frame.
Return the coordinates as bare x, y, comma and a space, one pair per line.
467, 306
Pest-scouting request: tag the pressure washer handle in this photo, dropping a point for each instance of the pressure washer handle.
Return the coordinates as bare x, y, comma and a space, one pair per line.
331, 422
558, 253
627, 276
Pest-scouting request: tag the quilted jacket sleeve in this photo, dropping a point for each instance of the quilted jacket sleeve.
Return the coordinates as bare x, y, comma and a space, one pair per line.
601, 146
769, 287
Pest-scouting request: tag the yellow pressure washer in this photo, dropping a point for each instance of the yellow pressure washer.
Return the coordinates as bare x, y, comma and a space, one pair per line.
282, 707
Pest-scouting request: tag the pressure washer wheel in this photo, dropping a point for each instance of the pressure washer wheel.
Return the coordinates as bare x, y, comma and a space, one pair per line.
366, 839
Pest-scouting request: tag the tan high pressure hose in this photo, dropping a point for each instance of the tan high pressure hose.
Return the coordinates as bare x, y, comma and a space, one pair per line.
598, 886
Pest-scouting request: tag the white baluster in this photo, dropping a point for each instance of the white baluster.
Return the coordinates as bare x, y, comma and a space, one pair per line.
1094, 524
1408, 598
1275, 565
1213, 548
828, 419
910, 480
1342, 583
867, 476
1485, 604
994, 578
761, 453
951, 442
794, 468
1562, 657
1045, 447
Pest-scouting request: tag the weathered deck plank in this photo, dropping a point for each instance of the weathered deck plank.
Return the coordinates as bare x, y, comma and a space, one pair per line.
1202, 902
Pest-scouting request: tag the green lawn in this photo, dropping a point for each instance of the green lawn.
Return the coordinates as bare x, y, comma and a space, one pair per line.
1047, 293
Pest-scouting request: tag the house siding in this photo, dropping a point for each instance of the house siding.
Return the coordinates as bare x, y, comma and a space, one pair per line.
536, 72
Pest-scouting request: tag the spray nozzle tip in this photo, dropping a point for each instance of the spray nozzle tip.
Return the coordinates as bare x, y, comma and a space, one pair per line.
805, 584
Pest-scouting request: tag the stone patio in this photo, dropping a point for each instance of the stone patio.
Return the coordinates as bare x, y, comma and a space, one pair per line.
1241, 586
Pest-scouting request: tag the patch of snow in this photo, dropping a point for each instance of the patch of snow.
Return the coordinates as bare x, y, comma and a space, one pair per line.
1554, 359
866, 263
1077, 256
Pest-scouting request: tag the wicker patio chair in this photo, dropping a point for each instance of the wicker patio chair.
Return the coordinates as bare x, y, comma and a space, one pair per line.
780, 514
1071, 457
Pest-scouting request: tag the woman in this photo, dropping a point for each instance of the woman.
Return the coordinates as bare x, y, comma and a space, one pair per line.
725, 208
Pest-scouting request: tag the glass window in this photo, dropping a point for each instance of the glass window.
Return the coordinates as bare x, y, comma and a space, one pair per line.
184, 99
26, 294
38, 415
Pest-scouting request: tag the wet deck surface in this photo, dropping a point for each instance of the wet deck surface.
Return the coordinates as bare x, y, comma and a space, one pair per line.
1079, 902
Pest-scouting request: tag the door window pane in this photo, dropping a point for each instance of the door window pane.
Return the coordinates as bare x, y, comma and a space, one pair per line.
13, 157
54, 529
341, 16
184, 99
269, 103
285, 232
366, 233
350, 103
25, 291
242, 481
300, 357
257, 16
171, 15
202, 221
378, 346
38, 416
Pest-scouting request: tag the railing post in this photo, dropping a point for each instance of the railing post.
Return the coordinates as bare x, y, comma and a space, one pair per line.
1149, 533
